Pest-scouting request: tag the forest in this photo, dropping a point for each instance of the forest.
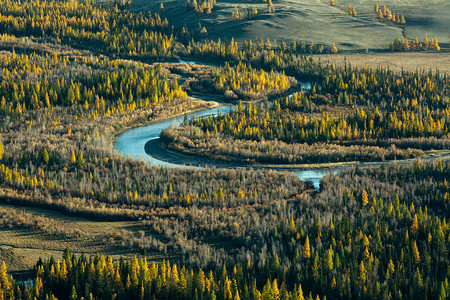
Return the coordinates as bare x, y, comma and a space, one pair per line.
75, 74
351, 114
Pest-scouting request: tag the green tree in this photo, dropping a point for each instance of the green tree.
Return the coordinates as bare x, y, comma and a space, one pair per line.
415, 225
416, 253
80, 159
330, 259
362, 273
442, 292
45, 156
73, 293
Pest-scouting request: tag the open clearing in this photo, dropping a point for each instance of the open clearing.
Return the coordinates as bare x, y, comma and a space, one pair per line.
410, 61
21, 247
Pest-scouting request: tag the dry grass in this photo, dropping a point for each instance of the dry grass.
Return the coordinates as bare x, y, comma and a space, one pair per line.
316, 21
21, 247
410, 61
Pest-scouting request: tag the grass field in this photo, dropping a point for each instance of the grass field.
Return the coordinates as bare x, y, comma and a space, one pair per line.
22, 247
316, 21
410, 61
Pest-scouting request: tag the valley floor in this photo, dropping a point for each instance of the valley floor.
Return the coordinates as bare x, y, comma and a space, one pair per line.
408, 61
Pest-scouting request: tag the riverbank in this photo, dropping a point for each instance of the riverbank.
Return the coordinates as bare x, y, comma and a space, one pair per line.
158, 149
195, 104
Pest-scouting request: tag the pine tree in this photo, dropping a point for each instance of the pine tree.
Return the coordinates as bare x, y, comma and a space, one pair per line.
45, 156
267, 291
315, 267
418, 280
416, 253
80, 159
330, 259
442, 292
73, 294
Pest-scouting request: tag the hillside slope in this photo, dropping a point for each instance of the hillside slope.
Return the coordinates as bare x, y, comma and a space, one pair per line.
308, 20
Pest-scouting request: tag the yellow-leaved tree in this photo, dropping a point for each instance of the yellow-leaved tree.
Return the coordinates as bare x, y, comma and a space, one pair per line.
2, 150
364, 198
306, 248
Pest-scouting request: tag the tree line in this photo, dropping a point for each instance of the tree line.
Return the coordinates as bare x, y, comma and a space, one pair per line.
103, 28
100, 86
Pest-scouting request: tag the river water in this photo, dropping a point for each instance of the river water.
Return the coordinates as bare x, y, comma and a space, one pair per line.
131, 143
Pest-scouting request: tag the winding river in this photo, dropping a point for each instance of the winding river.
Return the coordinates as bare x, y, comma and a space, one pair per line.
132, 142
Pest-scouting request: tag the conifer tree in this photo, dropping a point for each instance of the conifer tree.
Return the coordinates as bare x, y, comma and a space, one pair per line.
80, 159
5, 282
306, 248
292, 226
330, 258
45, 156
300, 293
416, 253
2, 150
73, 293
362, 272
364, 198
73, 158
415, 225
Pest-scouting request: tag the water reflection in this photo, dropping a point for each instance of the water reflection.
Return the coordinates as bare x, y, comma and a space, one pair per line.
314, 175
